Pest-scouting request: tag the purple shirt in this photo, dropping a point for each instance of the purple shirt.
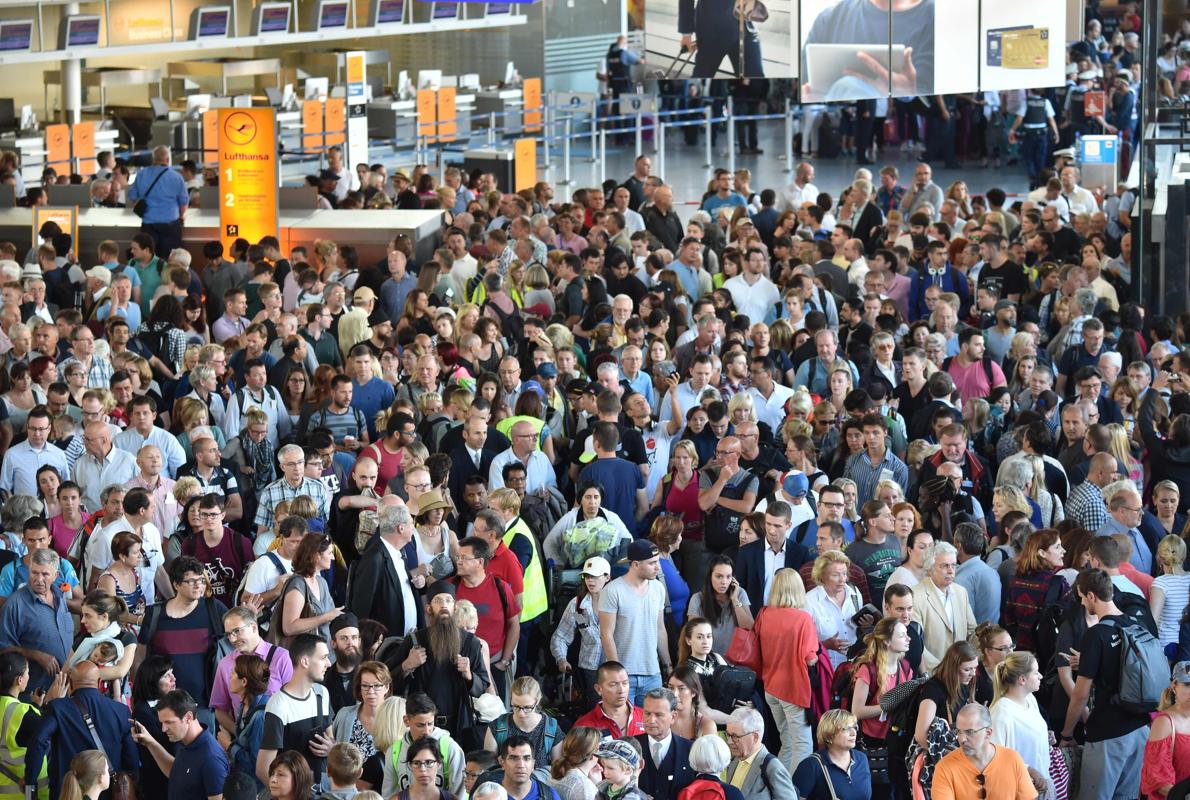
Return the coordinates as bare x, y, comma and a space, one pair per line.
280, 671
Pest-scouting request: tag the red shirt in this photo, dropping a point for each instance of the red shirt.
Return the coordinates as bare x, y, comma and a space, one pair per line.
504, 565
597, 718
486, 599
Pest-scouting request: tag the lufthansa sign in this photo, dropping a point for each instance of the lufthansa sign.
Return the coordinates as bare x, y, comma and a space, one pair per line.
247, 174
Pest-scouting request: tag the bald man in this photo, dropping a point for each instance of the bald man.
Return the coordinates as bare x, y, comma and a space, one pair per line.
101, 464
1085, 504
63, 732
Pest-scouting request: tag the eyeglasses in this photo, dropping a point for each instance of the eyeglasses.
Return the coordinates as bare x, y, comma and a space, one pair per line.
427, 763
235, 633
525, 709
193, 581
368, 688
301, 463
421, 487
210, 514
1006, 649
970, 732
735, 737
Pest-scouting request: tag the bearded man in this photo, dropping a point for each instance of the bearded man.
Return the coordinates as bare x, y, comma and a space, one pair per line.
345, 643
442, 660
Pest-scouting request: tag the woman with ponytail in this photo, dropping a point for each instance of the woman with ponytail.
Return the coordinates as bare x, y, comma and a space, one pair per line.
14, 679
87, 778
1017, 722
881, 667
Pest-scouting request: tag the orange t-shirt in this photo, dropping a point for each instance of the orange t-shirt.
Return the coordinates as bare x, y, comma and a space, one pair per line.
787, 637
1005, 778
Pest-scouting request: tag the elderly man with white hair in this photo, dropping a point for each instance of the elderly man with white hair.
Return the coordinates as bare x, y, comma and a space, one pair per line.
941, 606
1125, 513
293, 482
756, 772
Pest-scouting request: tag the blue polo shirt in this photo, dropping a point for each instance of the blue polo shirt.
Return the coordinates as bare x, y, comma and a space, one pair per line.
370, 399
30, 623
199, 769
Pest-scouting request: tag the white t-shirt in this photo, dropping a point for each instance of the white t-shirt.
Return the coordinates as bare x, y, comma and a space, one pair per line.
1021, 728
262, 575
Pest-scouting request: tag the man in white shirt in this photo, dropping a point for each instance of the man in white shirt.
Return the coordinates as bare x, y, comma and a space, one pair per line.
633, 221
142, 430
768, 396
102, 464
348, 180
686, 393
255, 394
801, 190
753, 293
1080, 200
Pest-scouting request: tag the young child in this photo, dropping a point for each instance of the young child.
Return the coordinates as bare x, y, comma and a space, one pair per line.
63, 432
620, 760
344, 765
105, 655
478, 762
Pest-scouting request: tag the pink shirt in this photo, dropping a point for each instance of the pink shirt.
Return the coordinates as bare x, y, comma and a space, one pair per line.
972, 381
280, 671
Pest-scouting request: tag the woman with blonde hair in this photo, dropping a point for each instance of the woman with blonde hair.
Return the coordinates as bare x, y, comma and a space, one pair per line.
1016, 719
1167, 752
537, 288
741, 408
1171, 589
839, 384
803, 455
1006, 499
87, 778
469, 314
467, 617
575, 773
1022, 371
1166, 496
191, 414
975, 416
1119, 445
832, 603
788, 648
850, 495
388, 728
881, 668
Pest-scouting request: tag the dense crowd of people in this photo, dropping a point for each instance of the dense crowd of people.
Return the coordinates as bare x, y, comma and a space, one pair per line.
881, 494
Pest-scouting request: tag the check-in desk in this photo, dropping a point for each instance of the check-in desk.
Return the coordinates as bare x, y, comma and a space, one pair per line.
393, 119
104, 79
507, 104
369, 231
332, 64
220, 71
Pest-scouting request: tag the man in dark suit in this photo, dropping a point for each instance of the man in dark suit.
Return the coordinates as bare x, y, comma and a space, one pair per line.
472, 456
38, 305
483, 410
869, 219
759, 561
665, 769
378, 585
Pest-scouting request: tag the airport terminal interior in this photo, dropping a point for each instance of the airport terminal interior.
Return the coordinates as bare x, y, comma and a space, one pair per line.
595, 399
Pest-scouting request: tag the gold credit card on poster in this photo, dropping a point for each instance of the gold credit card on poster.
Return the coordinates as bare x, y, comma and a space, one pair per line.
1019, 48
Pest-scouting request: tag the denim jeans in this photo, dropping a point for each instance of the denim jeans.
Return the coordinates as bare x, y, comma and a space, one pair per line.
639, 684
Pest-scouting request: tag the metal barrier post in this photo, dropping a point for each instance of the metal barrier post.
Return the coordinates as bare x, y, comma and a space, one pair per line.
492, 129
545, 138
602, 155
659, 140
710, 134
788, 135
730, 135
638, 135
565, 151
595, 133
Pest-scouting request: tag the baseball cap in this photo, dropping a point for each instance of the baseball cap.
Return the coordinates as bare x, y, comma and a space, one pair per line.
642, 550
619, 749
796, 484
1181, 672
363, 294
535, 387
547, 370
1003, 304
576, 386
1088, 75
328, 175
596, 566
101, 274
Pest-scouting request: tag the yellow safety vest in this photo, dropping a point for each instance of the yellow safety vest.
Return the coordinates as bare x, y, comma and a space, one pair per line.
12, 755
534, 601
505, 426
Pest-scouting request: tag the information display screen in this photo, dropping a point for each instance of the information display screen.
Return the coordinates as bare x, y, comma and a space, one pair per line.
446, 10
81, 31
390, 12
212, 22
332, 15
274, 18
16, 35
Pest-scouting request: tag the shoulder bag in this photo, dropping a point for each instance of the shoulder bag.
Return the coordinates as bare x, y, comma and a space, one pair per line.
123, 786
141, 207
744, 650
826, 774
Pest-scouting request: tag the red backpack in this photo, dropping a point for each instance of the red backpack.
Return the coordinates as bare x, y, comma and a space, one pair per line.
703, 789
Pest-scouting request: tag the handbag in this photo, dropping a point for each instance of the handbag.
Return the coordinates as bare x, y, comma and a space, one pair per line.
825, 774
141, 207
744, 649
1059, 774
275, 634
123, 787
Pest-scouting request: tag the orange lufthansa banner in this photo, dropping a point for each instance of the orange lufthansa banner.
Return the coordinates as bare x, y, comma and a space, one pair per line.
247, 174
66, 218
312, 124
336, 120
355, 69
210, 135
531, 93
83, 135
427, 117
525, 164
57, 145
448, 124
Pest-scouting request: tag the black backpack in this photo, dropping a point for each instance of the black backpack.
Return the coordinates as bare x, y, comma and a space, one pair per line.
512, 326
721, 528
730, 687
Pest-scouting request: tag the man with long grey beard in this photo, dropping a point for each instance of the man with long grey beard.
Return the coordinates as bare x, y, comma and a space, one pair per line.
345, 642
442, 660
